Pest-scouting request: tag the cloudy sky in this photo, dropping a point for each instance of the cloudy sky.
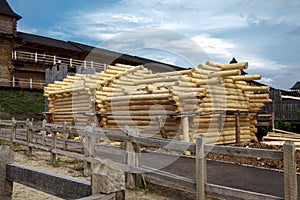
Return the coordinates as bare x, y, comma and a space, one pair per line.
181, 32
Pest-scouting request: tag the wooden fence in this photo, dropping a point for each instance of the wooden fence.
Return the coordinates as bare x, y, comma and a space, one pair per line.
51, 183
86, 151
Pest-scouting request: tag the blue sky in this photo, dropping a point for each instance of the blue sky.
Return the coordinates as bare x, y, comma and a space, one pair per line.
264, 33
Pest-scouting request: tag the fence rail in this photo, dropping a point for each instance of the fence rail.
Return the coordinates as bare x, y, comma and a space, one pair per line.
87, 152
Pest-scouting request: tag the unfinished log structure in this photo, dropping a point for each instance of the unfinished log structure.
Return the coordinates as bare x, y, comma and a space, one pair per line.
213, 100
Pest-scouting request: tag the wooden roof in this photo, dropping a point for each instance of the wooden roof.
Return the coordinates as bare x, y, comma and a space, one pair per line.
296, 86
96, 54
5, 9
46, 41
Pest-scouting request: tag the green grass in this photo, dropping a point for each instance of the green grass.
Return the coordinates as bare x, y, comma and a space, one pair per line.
21, 101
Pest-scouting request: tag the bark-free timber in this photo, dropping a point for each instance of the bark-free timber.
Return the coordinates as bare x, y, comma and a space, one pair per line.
133, 95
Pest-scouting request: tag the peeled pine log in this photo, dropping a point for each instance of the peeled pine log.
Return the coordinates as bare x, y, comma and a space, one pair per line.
208, 67
224, 73
246, 78
233, 66
256, 88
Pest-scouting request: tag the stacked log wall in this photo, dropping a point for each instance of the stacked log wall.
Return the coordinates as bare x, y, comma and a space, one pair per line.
153, 103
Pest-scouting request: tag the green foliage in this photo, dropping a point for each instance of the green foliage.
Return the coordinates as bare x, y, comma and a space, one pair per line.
1, 109
284, 125
21, 101
56, 162
147, 191
298, 112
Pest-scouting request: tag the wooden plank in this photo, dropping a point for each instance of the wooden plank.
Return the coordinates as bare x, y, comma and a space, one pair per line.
173, 180
100, 197
264, 124
246, 152
51, 183
286, 132
231, 193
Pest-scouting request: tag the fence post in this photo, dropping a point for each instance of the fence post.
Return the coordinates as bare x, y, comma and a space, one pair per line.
290, 173
44, 132
6, 187
89, 141
201, 176
273, 121
133, 153
29, 136
13, 133
65, 136
53, 144
106, 179
237, 127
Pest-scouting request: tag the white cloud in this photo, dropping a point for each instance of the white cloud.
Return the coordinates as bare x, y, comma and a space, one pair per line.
215, 47
250, 30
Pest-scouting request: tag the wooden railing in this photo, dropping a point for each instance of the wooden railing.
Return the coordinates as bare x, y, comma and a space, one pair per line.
53, 60
86, 151
22, 83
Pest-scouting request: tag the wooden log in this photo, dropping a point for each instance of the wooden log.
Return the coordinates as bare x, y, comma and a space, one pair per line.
208, 67
256, 88
233, 66
246, 78
224, 73
138, 97
141, 107
155, 80
145, 113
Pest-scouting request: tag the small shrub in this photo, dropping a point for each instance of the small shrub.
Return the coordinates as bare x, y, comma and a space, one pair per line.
284, 125
56, 162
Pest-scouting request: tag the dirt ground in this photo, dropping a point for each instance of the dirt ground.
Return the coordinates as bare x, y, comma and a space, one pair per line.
69, 167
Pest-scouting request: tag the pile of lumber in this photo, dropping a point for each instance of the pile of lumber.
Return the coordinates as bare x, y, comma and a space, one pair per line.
213, 95
278, 137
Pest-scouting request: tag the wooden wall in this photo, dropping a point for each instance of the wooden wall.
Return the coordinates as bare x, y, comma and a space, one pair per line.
7, 25
6, 46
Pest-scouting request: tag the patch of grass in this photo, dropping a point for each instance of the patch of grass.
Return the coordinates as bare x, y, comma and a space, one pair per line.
147, 191
21, 101
56, 162
79, 167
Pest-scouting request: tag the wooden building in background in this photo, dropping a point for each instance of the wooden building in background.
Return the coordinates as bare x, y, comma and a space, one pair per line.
25, 57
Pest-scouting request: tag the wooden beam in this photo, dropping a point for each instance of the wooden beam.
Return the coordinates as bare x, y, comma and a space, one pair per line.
232, 193
51, 183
